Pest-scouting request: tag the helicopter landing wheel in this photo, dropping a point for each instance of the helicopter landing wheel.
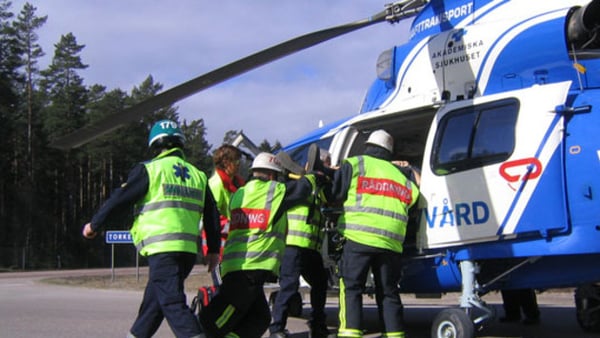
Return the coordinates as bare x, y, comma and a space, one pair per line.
587, 303
452, 323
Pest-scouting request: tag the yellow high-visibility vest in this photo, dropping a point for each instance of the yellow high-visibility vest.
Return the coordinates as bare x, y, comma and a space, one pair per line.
256, 241
168, 217
376, 210
305, 228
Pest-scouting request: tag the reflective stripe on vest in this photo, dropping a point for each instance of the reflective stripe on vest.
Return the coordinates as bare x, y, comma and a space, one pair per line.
168, 217
255, 241
169, 204
300, 232
165, 237
376, 210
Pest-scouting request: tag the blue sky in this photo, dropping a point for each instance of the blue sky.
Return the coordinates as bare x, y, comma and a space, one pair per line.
175, 41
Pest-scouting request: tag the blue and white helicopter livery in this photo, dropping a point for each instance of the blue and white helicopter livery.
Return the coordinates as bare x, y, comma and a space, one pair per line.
495, 100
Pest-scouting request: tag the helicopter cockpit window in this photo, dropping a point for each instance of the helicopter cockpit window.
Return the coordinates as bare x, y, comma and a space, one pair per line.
475, 136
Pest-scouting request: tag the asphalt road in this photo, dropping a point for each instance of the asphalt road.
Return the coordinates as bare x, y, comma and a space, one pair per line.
32, 309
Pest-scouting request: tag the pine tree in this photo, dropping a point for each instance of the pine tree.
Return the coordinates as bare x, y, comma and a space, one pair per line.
230, 136
64, 99
266, 146
8, 104
25, 28
196, 146
9, 59
21, 54
66, 95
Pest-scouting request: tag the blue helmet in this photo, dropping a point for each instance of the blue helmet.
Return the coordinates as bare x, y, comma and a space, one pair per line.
166, 133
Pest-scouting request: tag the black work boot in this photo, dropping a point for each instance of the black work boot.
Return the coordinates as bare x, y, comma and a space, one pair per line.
280, 334
313, 159
314, 162
288, 164
320, 331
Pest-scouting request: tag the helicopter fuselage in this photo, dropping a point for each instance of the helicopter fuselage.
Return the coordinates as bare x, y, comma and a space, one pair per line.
494, 100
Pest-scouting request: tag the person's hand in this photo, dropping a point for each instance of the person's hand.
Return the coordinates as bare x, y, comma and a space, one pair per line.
88, 232
212, 260
401, 163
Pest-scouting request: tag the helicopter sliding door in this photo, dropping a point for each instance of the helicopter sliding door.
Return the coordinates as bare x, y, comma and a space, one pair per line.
494, 169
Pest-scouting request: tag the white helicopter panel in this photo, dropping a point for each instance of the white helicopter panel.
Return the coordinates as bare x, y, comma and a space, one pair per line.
456, 64
416, 82
464, 205
446, 64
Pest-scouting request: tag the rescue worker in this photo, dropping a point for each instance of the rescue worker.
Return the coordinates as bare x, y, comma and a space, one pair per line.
376, 198
170, 196
253, 250
302, 257
223, 183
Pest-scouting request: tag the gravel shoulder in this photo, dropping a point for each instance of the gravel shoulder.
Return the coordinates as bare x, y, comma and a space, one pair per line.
133, 279
126, 280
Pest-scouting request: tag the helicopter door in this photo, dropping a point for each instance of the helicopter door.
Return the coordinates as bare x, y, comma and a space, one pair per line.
344, 143
493, 169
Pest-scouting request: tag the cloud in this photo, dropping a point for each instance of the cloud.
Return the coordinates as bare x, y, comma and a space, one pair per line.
175, 41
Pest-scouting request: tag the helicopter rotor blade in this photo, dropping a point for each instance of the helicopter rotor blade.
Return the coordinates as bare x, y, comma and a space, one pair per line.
392, 13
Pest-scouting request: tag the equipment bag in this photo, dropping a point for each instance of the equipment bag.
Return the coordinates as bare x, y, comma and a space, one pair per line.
203, 298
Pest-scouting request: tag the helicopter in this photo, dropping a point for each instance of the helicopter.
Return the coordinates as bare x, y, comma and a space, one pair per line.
499, 131
494, 101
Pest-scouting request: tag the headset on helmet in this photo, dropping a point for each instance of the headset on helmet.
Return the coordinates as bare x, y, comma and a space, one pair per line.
381, 139
266, 161
166, 133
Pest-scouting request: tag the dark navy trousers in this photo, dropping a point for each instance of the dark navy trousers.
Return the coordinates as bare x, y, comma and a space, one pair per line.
164, 297
356, 262
308, 264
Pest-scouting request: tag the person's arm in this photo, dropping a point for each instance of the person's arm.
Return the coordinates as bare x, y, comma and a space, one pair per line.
340, 184
121, 200
296, 191
416, 175
212, 228
413, 173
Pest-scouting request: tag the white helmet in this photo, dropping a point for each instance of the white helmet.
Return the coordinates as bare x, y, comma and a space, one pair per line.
381, 139
266, 161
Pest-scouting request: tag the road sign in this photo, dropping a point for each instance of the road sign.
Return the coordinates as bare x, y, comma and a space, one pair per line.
118, 237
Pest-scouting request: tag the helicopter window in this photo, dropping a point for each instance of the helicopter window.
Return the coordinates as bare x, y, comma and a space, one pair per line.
475, 136
456, 143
